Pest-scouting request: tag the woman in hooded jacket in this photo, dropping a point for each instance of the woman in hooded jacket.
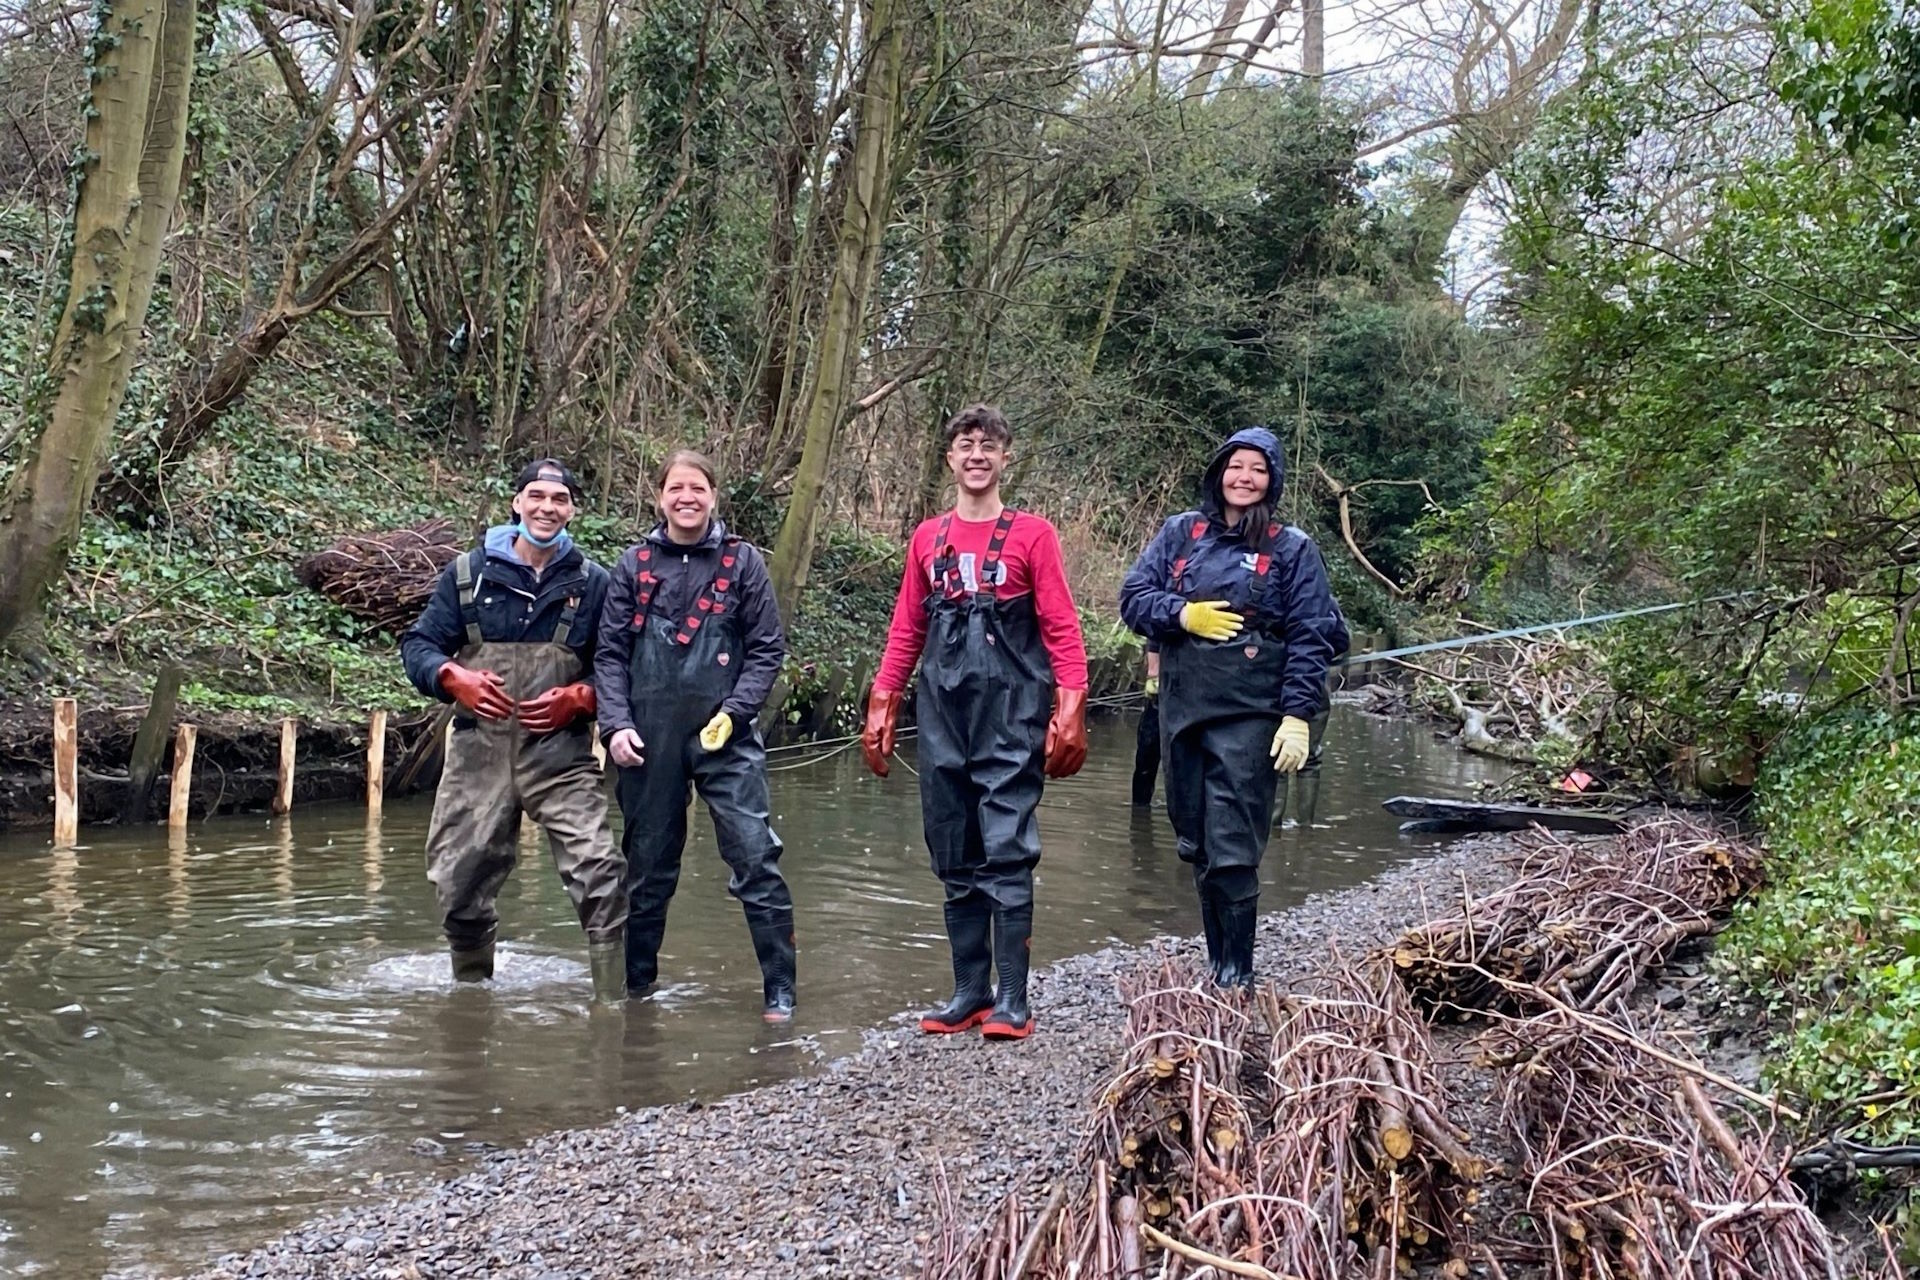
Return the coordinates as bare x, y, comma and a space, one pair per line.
1247, 627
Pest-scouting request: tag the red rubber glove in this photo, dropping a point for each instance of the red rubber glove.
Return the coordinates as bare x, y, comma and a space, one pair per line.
1067, 733
481, 692
876, 740
557, 708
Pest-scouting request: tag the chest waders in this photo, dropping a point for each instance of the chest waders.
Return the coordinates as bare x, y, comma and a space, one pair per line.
1219, 708
494, 771
680, 673
984, 698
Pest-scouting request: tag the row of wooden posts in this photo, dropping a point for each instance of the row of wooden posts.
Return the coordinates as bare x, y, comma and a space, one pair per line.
66, 770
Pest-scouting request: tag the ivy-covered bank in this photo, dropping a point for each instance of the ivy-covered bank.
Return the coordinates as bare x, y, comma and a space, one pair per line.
1831, 946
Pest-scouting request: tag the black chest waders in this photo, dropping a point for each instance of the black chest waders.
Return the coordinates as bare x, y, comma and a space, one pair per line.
494, 772
984, 697
1219, 709
680, 673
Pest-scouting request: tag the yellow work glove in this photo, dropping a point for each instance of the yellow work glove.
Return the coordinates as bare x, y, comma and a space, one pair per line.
1290, 745
1211, 620
718, 730
1152, 687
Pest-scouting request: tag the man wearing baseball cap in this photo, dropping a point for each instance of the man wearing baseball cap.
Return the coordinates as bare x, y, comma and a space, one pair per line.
509, 636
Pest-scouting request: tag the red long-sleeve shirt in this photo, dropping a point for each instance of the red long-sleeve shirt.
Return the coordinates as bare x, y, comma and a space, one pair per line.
1032, 564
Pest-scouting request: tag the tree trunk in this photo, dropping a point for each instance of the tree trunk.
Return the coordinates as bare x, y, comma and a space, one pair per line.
141, 72
1313, 41
862, 222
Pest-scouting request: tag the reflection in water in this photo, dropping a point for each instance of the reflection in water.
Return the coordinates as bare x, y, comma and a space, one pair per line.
376, 859
206, 1036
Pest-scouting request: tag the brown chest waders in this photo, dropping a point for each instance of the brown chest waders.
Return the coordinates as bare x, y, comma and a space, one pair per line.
494, 772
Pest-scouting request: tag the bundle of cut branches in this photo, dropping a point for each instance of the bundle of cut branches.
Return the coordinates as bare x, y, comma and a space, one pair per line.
1584, 921
1359, 1173
383, 578
1327, 1156
1632, 1170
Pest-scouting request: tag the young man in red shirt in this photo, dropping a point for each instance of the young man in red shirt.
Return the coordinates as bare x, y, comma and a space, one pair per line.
985, 608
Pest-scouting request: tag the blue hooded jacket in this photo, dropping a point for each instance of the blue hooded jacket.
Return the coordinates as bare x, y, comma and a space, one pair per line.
1294, 603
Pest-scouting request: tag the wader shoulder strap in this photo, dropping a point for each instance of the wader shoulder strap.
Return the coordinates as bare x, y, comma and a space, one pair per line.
712, 602
468, 573
1262, 563
563, 632
946, 561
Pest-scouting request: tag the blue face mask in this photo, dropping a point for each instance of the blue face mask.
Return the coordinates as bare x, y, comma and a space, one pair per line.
520, 530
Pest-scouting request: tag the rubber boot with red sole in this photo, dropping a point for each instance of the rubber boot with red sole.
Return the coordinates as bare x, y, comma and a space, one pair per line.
970, 935
1012, 950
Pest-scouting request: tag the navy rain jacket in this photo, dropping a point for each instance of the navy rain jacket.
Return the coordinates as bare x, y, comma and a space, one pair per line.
684, 573
1297, 603
514, 606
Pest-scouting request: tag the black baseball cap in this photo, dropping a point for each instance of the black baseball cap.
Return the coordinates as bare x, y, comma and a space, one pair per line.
550, 469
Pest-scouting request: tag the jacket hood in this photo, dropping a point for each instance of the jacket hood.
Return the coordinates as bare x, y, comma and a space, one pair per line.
716, 534
499, 544
1213, 499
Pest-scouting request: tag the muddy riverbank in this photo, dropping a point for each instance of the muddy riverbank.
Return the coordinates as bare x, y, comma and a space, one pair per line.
829, 1175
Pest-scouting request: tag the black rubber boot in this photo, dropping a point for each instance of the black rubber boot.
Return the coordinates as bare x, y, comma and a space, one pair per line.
607, 961
644, 935
473, 964
773, 944
970, 935
1209, 924
1010, 1018
1306, 787
1237, 920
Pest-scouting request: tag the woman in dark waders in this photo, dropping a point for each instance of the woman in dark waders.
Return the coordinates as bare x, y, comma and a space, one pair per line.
690, 644
1247, 627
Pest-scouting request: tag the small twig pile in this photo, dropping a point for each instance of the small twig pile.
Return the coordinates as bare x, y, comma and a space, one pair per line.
1328, 1157
1632, 1171
383, 578
1584, 921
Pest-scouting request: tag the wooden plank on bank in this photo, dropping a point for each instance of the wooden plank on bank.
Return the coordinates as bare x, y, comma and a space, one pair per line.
283, 783
150, 744
182, 777
376, 761
66, 773
1466, 815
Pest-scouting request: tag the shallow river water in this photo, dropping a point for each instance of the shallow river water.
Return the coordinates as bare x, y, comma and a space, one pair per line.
204, 1040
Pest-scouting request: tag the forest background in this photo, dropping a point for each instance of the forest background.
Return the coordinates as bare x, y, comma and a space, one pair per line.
1558, 305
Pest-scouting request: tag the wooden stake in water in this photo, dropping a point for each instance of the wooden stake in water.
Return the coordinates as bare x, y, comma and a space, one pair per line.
283, 791
66, 774
376, 761
182, 777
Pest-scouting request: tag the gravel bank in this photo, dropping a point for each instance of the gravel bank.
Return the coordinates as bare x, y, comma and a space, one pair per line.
829, 1175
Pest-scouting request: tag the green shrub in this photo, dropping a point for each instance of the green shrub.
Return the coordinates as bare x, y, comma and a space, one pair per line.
1832, 945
